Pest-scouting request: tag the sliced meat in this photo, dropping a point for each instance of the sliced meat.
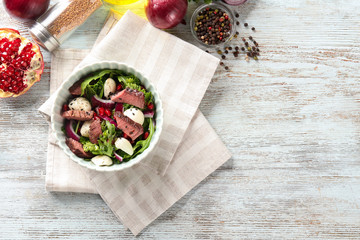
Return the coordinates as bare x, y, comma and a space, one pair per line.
130, 96
78, 115
128, 126
77, 148
95, 131
75, 89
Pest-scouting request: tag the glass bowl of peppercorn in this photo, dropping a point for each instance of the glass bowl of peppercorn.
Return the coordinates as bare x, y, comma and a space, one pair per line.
212, 25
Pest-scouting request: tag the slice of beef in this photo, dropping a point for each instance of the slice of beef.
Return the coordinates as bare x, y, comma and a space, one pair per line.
78, 115
95, 131
128, 126
130, 96
77, 148
75, 89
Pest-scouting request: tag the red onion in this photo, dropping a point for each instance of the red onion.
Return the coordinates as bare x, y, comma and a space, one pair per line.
234, 2
106, 118
26, 9
70, 132
96, 101
110, 120
149, 114
119, 107
165, 13
118, 157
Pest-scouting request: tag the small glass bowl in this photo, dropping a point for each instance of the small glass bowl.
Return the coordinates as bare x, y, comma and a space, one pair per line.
213, 6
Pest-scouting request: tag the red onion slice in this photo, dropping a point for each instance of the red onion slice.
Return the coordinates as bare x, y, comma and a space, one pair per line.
110, 120
106, 118
118, 157
119, 107
70, 132
98, 102
149, 114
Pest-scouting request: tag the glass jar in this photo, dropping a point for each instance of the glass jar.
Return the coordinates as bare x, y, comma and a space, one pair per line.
61, 20
201, 37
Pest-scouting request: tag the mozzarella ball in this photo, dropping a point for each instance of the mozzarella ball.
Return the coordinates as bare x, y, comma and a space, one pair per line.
102, 160
80, 103
85, 128
109, 87
124, 145
135, 114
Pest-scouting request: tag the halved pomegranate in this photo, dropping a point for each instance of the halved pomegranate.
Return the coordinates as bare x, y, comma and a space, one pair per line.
21, 63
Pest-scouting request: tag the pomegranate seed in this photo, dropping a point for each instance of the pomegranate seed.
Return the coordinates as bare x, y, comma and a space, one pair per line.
150, 106
108, 112
119, 87
24, 64
101, 111
146, 135
9, 51
95, 117
10, 70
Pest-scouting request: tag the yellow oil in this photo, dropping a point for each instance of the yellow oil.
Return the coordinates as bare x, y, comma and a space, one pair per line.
121, 6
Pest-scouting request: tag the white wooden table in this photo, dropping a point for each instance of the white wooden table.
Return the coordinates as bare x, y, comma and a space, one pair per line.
291, 121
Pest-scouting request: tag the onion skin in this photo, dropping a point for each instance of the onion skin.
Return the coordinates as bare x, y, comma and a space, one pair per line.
165, 14
26, 9
70, 132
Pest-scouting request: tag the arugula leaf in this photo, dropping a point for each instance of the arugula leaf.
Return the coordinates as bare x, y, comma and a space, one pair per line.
93, 77
94, 84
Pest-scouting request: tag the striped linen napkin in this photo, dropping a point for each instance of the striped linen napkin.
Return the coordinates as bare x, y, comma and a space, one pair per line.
188, 151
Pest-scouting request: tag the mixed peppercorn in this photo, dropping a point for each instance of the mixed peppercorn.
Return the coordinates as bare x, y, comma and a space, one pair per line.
213, 26
247, 46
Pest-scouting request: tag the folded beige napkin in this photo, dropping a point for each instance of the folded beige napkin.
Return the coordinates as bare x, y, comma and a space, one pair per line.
181, 73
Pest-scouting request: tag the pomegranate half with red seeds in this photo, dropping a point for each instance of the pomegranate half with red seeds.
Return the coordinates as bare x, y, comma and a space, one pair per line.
21, 63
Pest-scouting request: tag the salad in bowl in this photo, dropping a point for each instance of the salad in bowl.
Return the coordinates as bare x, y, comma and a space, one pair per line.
107, 116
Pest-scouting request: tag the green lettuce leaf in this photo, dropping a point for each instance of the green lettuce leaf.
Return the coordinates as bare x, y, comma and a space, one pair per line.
105, 142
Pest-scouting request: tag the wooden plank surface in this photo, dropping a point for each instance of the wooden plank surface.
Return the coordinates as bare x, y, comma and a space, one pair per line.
291, 121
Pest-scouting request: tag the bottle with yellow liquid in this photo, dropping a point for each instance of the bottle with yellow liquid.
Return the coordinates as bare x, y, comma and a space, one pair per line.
121, 6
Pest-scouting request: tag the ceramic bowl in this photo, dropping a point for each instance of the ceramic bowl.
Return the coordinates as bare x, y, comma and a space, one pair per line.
62, 96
